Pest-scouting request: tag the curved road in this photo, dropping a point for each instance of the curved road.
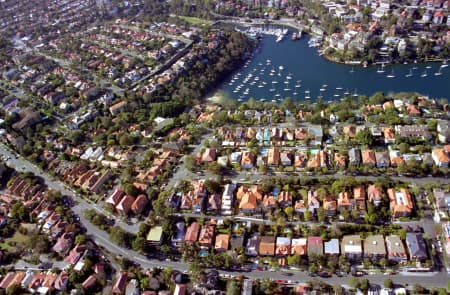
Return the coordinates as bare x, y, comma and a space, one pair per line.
437, 279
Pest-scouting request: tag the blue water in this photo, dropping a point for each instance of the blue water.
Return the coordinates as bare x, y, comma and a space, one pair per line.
311, 72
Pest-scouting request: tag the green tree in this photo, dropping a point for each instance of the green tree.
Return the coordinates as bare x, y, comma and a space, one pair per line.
118, 235
354, 283
388, 283
364, 285
364, 137
233, 288
139, 244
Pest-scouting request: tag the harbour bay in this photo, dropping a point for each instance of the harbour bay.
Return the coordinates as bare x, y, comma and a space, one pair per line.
291, 68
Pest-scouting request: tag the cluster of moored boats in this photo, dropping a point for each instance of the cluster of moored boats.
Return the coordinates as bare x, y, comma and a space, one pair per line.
277, 80
412, 70
279, 33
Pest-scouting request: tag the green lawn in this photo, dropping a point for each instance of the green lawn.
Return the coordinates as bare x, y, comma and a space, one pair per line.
196, 21
18, 238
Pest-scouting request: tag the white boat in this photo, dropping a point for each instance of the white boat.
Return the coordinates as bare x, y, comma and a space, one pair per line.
277, 95
281, 67
324, 85
444, 65
428, 67
438, 73
424, 74
307, 97
287, 89
391, 75
339, 88
286, 82
381, 69
322, 89
295, 93
279, 38
307, 91
336, 95
352, 70
410, 74
274, 100
274, 82
298, 86
272, 89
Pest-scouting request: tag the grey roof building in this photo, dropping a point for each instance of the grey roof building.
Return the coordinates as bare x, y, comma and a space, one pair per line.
416, 246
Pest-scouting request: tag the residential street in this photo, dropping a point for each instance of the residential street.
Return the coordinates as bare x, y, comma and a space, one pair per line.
102, 239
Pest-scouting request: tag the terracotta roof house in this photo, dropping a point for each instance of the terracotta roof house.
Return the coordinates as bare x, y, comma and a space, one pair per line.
395, 249
359, 194
192, 233
209, 155
120, 284
206, 235
253, 190
180, 289
63, 243
76, 253
400, 202
330, 205
413, 110
298, 246
248, 160
383, 160
124, 205
284, 199
300, 206
7, 279
116, 108
300, 133
252, 246
61, 281
374, 194
339, 160
213, 203
368, 157
344, 201
273, 157
331, 247
389, 135
313, 201
374, 247
283, 246
349, 131
440, 158
351, 246
222, 242
248, 203
269, 201
90, 282
300, 161
315, 245
139, 204
267, 246
115, 197
416, 246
